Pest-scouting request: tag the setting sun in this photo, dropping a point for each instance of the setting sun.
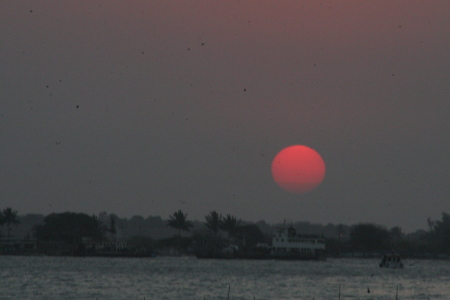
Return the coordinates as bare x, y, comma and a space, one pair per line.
298, 169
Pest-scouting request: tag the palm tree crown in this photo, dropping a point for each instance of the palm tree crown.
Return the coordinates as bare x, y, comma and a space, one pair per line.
179, 221
9, 218
230, 224
213, 221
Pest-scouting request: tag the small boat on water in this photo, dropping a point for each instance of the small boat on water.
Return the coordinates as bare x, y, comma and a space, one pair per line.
391, 261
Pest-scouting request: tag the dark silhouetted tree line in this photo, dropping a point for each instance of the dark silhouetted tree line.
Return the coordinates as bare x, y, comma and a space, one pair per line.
439, 236
370, 238
218, 231
69, 227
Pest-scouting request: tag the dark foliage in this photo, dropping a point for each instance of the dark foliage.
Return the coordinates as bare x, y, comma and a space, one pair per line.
68, 227
341, 239
179, 221
440, 233
250, 235
231, 225
369, 237
213, 221
8, 217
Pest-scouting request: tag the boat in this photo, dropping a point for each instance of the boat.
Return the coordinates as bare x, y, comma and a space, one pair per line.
391, 261
288, 244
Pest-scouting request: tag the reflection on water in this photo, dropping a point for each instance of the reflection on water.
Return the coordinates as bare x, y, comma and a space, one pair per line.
190, 278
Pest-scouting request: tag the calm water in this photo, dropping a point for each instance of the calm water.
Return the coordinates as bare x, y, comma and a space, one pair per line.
190, 278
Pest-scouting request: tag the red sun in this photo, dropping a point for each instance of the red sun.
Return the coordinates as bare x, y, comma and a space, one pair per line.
298, 169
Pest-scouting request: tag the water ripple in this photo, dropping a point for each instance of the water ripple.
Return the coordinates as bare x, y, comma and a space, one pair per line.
189, 278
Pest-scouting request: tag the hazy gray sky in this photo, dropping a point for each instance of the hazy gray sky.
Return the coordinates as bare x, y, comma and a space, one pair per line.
147, 107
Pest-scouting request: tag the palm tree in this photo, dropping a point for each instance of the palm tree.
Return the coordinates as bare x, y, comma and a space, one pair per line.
10, 218
2, 221
112, 226
178, 221
231, 225
213, 221
2, 218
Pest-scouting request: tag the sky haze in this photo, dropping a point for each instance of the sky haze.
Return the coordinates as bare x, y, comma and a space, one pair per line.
147, 107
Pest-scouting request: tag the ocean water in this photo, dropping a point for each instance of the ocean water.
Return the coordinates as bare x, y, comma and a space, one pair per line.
41, 277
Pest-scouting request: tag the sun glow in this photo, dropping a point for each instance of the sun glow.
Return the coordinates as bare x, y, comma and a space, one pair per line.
298, 169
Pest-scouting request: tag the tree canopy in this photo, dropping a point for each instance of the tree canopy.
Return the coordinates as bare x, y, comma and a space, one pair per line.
213, 221
250, 235
179, 221
230, 224
9, 217
369, 237
440, 232
68, 227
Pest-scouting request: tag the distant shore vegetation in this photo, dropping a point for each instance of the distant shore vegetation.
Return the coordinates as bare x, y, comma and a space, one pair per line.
69, 233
